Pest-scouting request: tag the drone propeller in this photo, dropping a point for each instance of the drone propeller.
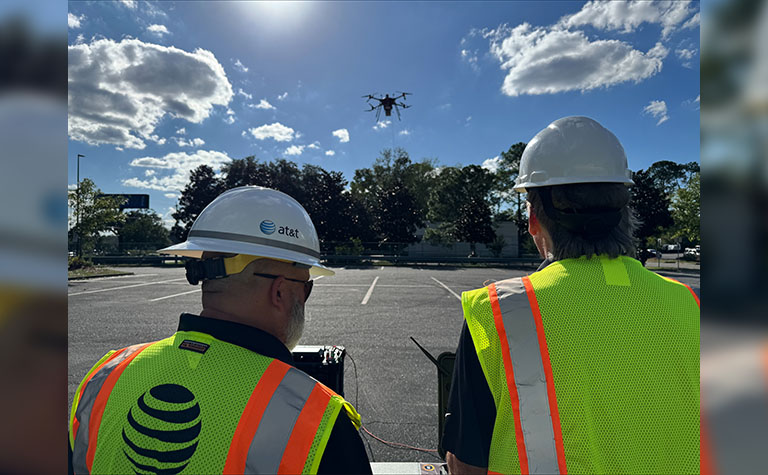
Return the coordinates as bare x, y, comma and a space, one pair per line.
403, 94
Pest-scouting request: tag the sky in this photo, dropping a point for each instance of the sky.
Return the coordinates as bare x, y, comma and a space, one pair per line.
158, 88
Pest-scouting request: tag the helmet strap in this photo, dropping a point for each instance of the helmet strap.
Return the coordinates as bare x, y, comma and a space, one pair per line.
205, 269
591, 224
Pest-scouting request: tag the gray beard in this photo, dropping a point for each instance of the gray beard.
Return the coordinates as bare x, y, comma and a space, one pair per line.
295, 325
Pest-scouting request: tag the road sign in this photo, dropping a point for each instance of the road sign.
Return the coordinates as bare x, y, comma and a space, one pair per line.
130, 200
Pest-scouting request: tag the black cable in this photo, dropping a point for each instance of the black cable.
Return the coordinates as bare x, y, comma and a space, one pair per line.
357, 387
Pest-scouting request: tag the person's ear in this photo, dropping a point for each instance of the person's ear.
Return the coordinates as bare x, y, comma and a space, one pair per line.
278, 295
534, 227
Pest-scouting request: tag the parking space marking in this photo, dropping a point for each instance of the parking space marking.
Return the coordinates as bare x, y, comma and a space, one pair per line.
123, 287
370, 291
446, 288
175, 295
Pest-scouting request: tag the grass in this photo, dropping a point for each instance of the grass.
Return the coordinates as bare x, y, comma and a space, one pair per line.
94, 271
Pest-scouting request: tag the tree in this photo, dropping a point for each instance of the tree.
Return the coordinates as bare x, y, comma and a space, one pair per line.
202, 188
459, 203
651, 206
142, 230
504, 194
474, 222
669, 176
394, 181
94, 213
686, 209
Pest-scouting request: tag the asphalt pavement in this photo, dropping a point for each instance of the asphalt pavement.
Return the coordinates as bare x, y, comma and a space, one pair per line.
371, 311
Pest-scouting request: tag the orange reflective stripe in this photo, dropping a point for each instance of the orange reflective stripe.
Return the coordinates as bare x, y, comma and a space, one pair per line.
101, 403
706, 462
251, 417
85, 382
548, 374
305, 429
509, 372
75, 426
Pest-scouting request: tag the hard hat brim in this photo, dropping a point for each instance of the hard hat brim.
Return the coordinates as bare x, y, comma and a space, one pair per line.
523, 187
195, 246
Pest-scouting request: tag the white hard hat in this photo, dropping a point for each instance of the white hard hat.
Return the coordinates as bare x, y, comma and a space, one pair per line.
573, 150
254, 221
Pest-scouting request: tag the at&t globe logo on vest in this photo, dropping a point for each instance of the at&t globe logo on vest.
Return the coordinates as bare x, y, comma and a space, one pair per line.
162, 430
267, 227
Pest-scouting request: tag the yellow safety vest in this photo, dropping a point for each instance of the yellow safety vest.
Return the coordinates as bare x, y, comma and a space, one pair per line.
593, 365
161, 408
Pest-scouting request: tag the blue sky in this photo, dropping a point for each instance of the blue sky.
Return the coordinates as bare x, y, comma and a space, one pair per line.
157, 89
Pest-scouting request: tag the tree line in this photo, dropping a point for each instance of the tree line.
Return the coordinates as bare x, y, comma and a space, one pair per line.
384, 205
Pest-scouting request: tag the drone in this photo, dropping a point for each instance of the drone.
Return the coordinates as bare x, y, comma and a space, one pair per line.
387, 103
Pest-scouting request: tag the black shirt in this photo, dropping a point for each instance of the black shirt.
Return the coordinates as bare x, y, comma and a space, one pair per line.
471, 409
344, 453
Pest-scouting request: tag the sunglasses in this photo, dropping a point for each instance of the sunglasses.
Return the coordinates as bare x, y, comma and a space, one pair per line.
307, 283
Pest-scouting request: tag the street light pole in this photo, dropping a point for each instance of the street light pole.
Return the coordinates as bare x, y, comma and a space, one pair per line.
79, 240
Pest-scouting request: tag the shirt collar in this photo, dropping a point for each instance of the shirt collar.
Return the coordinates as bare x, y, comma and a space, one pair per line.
250, 338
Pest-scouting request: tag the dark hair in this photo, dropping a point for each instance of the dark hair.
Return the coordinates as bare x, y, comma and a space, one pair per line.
558, 207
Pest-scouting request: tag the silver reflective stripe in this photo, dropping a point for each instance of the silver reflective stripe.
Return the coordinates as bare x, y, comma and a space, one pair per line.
254, 240
277, 422
85, 407
531, 384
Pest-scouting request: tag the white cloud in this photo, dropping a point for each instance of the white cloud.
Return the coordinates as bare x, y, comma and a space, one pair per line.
230, 118
698, 99
196, 142
314, 145
119, 92
342, 134
149, 172
240, 66
181, 131
470, 57
329, 153
657, 109
547, 61
382, 125
158, 30
294, 150
172, 196
492, 164
263, 104
129, 3
240, 92
686, 55
693, 22
73, 21
177, 166
282, 96
404, 132
628, 16
276, 131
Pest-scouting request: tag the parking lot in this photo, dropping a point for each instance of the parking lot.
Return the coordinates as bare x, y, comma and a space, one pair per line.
371, 311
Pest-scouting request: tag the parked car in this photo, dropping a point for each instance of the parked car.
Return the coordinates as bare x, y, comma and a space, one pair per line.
653, 253
671, 247
692, 253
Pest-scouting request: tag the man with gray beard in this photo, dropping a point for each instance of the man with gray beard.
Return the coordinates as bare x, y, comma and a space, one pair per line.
221, 395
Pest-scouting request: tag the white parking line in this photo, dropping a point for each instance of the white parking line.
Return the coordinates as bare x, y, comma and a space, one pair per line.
446, 288
123, 287
370, 291
175, 295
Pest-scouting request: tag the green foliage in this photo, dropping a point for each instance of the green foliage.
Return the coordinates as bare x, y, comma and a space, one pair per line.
670, 176
394, 193
474, 222
497, 245
142, 230
650, 205
686, 209
94, 214
354, 247
78, 263
202, 188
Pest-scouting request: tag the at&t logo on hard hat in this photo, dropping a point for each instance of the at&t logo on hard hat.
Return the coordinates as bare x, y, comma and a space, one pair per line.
267, 226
